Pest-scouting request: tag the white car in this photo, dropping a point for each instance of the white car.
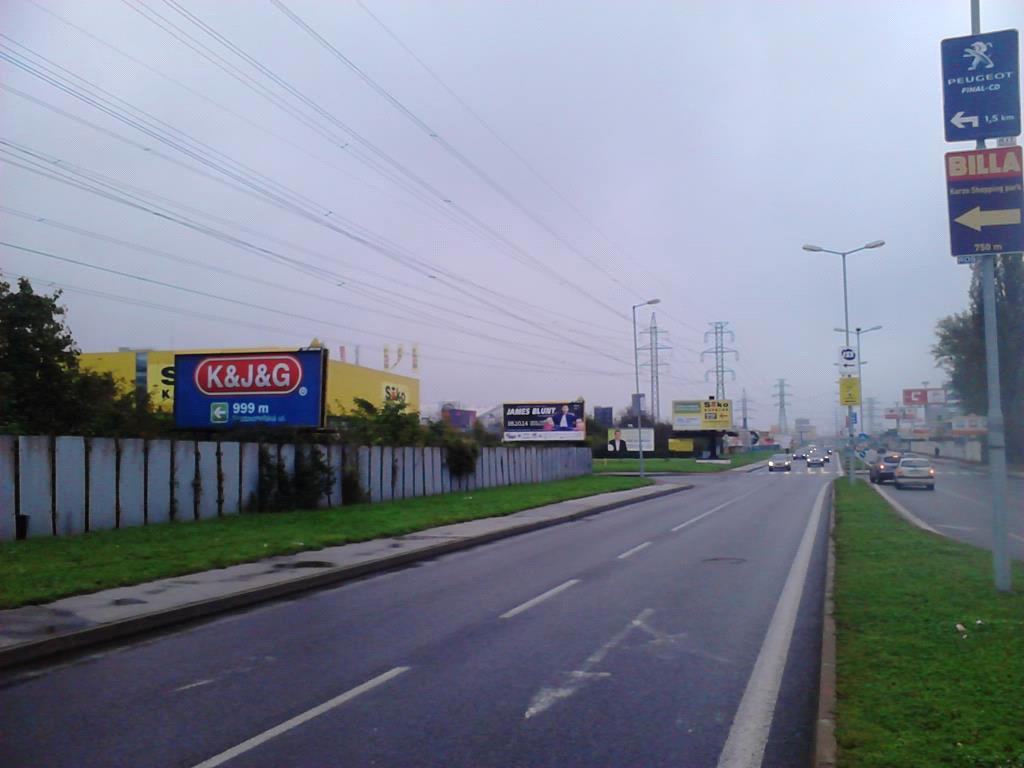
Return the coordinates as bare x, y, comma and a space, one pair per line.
914, 471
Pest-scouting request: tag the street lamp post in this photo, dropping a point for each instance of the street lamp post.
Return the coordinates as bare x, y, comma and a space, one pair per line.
636, 367
846, 326
860, 362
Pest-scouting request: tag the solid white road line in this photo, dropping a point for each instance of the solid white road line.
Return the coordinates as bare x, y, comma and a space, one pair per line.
713, 510
576, 679
903, 511
193, 685
744, 747
539, 599
955, 527
298, 720
1018, 538
634, 550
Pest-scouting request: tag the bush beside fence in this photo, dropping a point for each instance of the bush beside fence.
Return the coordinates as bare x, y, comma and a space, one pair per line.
67, 485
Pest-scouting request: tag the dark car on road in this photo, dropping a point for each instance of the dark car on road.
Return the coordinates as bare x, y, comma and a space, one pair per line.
884, 468
816, 459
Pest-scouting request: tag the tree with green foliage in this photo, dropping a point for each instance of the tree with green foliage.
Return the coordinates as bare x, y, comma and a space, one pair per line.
389, 424
42, 388
960, 350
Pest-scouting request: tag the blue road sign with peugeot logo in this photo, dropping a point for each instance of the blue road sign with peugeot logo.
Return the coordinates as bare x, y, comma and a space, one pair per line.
981, 86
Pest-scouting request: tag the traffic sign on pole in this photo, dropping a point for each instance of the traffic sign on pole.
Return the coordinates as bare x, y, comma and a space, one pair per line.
849, 390
980, 86
847, 359
985, 189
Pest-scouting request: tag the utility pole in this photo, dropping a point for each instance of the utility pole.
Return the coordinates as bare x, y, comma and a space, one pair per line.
744, 404
781, 396
655, 347
718, 331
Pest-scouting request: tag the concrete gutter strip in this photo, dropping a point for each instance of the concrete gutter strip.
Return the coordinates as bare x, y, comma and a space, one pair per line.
425, 544
825, 747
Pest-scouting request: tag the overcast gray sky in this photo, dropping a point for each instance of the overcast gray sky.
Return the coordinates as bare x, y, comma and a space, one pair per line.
495, 182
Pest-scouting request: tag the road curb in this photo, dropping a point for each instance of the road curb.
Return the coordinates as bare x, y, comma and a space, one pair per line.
905, 513
825, 747
103, 633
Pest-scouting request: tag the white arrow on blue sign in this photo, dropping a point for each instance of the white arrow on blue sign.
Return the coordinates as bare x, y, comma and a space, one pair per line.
981, 86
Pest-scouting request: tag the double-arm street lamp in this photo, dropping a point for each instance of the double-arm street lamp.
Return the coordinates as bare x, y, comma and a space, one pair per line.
636, 367
846, 323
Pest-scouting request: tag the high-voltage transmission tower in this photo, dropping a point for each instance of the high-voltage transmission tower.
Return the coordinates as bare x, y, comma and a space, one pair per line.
655, 337
781, 397
745, 408
718, 331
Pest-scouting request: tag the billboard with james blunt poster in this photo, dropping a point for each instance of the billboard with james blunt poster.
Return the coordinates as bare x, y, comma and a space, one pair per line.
250, 389
557, 421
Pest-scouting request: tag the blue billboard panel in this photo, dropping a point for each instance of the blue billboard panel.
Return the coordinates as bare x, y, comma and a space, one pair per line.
981, 86
255, 389
986, 200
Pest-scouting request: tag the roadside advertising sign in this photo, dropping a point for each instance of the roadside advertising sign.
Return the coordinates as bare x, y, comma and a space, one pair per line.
603, 415
970, 425
460, 419
250, 389
921, 396
701, 415
680, 444
981, 86
892, 413
555, 421
986, 196
847, 359
849, 390
625, 439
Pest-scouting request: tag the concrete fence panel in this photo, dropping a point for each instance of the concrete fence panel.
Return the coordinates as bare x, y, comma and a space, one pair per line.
417, 471
397, 473
376, 458
34, 484
184, 479
209, 483
69, 490
387, 473
335, 458
8, 528
249, 475
102, 483
158, 482
131, 483
431, 471
446, 476
230, 472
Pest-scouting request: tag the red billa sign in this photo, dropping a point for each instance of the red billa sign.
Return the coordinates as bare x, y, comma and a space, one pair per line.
243, 375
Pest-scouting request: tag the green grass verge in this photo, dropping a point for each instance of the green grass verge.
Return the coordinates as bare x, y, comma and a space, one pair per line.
43, 570
911, 690
676, 465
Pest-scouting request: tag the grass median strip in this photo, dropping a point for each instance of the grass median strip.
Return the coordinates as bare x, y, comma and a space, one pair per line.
654, 464
929, 665
43, 570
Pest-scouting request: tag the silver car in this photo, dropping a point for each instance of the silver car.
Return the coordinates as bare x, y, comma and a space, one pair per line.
780, 462
914, 471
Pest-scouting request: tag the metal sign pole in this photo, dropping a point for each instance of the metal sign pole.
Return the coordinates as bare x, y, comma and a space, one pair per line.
996, 437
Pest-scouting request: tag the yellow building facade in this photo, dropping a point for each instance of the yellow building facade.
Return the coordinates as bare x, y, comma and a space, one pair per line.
153, 370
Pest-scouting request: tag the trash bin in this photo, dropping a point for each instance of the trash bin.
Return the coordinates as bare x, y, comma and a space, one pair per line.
21, 527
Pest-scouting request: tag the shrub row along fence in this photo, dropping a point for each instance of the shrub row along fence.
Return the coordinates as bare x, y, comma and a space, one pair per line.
58, 486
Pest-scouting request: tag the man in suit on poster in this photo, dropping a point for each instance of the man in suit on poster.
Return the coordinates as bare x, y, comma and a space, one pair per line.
617, 444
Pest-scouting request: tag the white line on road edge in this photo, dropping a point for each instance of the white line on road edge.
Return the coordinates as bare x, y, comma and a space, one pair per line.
633, 551
1018, 538
539, 599
955, 527
576, 679
298, 720
903, 511
193, 685
713, 510
744, 747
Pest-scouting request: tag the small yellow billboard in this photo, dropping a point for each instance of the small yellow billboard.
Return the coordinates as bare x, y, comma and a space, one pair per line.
849, 390
701, 415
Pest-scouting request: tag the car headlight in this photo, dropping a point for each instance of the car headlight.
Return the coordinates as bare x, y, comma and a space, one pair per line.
771, 463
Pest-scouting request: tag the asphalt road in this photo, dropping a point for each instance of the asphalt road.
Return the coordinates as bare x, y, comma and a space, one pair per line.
628, 638
961, 505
